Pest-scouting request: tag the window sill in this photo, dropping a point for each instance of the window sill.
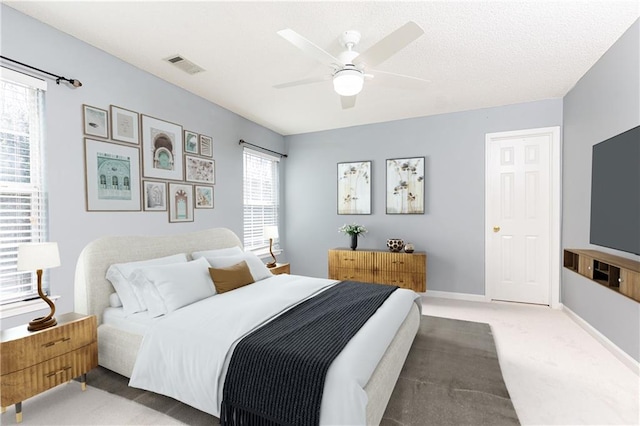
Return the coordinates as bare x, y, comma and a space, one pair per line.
24, 307
264, 253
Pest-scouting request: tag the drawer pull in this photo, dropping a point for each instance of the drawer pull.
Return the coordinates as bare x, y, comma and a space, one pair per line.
55, 373
55, 342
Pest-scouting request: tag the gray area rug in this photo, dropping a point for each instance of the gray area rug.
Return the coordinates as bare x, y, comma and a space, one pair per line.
451, 377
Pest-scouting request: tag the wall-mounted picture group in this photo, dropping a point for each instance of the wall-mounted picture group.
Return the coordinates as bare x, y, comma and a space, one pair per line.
121, 176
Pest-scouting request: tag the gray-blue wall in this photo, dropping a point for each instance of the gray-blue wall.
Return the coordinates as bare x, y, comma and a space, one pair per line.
110, 81
452, 229
604, 103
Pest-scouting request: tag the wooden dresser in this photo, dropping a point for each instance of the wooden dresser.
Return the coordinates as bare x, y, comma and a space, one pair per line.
406, 270
32, 362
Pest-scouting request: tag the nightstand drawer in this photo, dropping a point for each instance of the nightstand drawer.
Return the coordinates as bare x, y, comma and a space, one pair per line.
23, 384
43, 345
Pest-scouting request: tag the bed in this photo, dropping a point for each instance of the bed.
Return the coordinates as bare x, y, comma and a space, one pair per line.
120, 340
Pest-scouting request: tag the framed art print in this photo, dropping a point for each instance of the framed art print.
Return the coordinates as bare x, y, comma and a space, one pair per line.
206, 146
124, 125
154, 196
405, 185
204, 197
180, 202
161, 149
354, 187
199, 169
112, 176
190, 142
95, 121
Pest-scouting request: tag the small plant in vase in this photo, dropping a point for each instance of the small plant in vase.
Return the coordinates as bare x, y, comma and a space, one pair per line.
353, 231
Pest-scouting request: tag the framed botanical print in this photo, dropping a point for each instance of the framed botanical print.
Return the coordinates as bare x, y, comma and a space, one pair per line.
190, 142
125, 125
154, 196
199, 169
112, 176
161, 149
354, 187
180, 202
95, 121
204, 197
206, 146
405, 185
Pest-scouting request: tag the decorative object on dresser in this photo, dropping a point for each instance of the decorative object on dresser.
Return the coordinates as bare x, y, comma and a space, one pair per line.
354, 187
395, 244
281, 268
39, 256
405, 185
271, 232
409, 248
353, 230
617, 273
382, 267
35, 362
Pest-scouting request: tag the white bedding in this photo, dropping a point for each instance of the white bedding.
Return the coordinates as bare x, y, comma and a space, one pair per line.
137, 323
185, 355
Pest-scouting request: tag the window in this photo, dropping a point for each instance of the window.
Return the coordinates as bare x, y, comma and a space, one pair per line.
261, 202
22, 198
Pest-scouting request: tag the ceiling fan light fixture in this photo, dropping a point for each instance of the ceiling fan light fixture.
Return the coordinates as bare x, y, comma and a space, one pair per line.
348, 82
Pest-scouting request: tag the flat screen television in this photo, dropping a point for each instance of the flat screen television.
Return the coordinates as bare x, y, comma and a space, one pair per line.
615, 192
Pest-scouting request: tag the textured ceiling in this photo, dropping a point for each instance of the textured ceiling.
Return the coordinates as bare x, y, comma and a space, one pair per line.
476, 53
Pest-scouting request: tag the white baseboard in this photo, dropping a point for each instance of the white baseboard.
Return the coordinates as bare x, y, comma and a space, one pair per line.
456, 296
612, 347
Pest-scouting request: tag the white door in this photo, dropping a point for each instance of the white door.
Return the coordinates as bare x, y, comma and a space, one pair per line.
519, 215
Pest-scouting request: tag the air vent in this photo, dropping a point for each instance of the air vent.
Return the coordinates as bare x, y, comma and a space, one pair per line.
184, 64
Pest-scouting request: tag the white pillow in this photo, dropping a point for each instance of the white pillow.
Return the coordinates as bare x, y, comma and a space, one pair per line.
216, 253
114, 300
120, 273
178, 284
259, 270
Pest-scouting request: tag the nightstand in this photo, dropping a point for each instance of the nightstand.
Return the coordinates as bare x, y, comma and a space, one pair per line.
33, 362
281, 268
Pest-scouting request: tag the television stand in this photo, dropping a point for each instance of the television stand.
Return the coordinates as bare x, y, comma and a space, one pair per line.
617, 273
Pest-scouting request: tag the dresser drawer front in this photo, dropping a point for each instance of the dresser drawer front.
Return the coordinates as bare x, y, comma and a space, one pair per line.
47, 344
401, 262
345, 274
351, 259
23, 384
412, 280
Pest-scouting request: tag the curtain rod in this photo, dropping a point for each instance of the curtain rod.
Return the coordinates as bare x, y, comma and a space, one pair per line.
242, 141
73, 82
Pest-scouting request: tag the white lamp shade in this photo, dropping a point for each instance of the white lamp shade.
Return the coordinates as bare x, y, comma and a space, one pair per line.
34, 256
348, 82
271, 232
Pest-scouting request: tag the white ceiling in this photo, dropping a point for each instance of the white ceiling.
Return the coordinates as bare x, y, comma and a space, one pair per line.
476, 53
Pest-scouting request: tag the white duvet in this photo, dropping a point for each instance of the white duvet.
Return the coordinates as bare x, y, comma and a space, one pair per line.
185, 355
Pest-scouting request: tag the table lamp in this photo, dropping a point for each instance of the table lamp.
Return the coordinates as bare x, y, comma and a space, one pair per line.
39, 256
271, 232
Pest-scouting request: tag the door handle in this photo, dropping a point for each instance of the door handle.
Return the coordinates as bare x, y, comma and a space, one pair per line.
496, 229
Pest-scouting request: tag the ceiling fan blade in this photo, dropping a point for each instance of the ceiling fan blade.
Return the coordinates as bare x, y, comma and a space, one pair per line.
398, 80
308, 47
390, 45
348, 101
309, 80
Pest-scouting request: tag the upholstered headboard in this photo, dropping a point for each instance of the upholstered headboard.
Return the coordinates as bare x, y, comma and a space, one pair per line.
92, 289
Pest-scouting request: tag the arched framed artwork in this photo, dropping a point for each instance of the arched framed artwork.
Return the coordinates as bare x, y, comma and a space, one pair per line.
162, 147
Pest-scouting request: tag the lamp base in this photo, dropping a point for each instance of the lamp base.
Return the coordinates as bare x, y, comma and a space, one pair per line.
41, 323
271, 265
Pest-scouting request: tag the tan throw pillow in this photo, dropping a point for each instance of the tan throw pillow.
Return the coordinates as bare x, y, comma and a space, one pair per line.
231, 277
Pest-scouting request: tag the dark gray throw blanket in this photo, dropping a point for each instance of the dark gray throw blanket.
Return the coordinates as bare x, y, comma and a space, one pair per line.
277, 373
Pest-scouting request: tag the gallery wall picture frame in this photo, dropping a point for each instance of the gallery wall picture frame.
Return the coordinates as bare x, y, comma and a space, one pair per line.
95, 121
154, 196
161, 149
405, 185
198, 169
112, 176
125, 125
180, 201
190, 142
203, 197
354, 187
206, 146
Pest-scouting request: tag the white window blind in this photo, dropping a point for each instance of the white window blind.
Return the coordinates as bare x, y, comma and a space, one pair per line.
22, 201
261, 204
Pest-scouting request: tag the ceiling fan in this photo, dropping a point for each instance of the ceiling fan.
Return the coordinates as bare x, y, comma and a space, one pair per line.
348, 68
